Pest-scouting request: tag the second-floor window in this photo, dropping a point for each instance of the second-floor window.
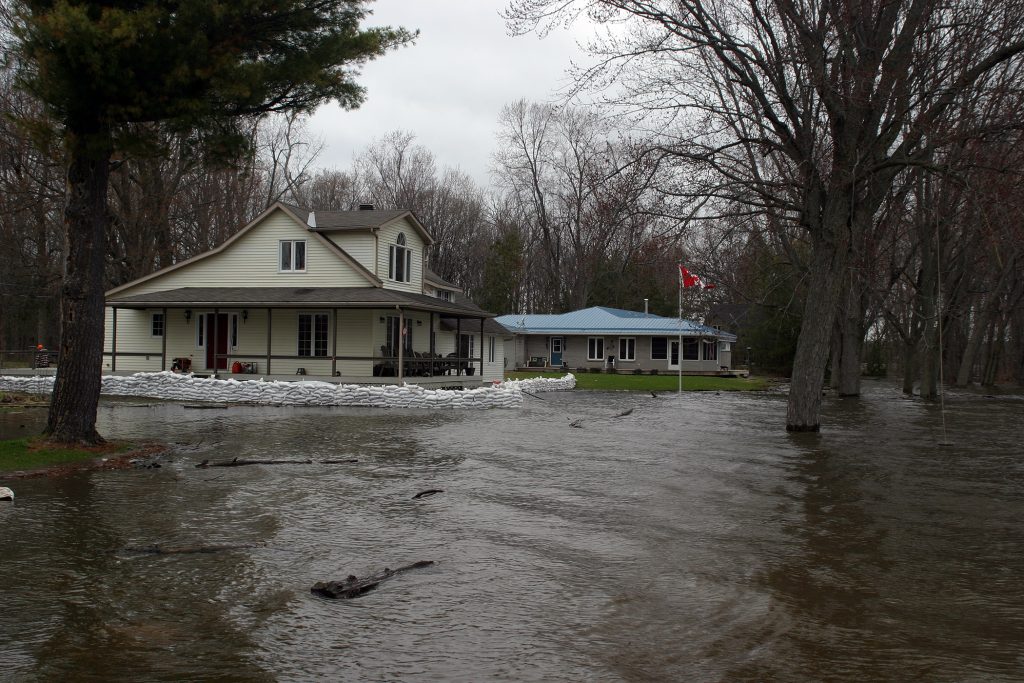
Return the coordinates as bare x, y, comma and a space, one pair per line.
400, 260
293, 256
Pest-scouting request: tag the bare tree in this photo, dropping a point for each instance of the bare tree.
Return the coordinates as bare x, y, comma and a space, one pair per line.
805, 110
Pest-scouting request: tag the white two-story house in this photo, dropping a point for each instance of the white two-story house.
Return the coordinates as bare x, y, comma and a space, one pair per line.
344, 296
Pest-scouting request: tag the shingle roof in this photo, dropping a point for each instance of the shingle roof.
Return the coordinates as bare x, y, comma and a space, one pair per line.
433, 278
297, 297
604, 320
355, 220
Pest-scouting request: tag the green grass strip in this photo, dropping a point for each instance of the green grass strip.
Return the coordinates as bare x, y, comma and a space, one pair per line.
614, 382
32, 453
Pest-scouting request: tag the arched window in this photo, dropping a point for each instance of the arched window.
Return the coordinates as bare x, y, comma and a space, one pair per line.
400, 260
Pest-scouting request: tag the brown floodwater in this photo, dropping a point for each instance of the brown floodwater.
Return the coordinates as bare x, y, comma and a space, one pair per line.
692, 539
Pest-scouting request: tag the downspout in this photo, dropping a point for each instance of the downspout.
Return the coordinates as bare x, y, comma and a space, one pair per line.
400, 341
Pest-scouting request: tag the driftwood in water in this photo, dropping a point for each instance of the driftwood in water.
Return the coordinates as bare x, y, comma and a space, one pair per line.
339, 462
238, 463
157, 549
624, 413
577, 424
353, 587
428, 492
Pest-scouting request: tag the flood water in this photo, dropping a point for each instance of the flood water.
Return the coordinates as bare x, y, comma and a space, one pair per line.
692, 540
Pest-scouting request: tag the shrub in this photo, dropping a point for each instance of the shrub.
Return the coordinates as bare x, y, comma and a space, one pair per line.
597, 370
580, 371
654, 371
638, 371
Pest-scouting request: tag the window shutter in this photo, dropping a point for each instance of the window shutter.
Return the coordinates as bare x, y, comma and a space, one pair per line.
391, 262
408, 265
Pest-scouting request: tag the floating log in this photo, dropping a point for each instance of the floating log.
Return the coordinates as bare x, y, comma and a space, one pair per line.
428, 492
238, 463
624, 413
353, 587
157, 549
339, 462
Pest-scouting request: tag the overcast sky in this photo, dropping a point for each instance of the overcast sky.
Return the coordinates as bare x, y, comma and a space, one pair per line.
449, 86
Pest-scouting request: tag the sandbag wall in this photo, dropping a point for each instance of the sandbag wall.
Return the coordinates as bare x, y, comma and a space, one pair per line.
177, 387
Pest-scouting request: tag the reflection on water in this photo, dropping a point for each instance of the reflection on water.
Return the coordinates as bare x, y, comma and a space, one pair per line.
690, 540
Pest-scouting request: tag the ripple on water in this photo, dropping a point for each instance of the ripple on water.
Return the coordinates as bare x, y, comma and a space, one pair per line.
690, 540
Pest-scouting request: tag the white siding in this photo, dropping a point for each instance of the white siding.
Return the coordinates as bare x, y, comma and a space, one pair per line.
386, 237
253, 261
361, 247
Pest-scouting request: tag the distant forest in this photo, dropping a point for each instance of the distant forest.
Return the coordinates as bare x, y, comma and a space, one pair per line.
585, 209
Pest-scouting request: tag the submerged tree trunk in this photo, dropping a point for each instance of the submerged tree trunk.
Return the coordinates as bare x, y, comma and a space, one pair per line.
812, 349
76, 391
851, 330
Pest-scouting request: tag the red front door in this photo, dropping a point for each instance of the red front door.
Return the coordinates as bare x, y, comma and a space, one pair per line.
218, 340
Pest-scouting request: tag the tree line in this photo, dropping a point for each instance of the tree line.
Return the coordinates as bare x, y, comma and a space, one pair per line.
849, 173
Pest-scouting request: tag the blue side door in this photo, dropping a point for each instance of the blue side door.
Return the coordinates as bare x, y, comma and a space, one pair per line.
556, 352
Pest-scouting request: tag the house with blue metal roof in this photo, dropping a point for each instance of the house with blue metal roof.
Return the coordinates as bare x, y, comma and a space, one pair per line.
618, 340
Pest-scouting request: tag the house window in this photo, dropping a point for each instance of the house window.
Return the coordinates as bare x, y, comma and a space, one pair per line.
659, 348
723, 346
691, 348
158, 325
627, 348
710, 349
490, 349
444, 294
313, 334
400, 260
293, 256
595, 348
394, 332
466, 346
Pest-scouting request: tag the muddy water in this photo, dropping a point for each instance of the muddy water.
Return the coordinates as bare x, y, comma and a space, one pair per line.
689, 540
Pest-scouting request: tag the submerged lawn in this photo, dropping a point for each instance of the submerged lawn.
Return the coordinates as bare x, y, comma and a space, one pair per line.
609, 382
33, 453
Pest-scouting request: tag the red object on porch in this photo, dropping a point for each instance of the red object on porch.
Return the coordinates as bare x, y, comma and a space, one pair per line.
236, 367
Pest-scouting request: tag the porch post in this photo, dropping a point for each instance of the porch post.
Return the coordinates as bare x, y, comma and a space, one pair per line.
269, 310
401, 343
431, 343
481, 348
458, 346
163, 349
113, 344
213, 338
334, 343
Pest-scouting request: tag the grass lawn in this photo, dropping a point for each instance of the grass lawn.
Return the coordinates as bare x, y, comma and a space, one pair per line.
33, 453
608, 382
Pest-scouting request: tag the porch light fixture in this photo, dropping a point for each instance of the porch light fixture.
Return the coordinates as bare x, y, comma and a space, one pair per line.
245, 314
188, 314
382, 318
418, 323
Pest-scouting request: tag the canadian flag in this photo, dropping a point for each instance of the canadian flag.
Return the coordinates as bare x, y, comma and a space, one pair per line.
690, 280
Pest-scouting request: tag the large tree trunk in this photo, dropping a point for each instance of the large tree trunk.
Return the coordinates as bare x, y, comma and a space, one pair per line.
851, 330
76, 392
826, 280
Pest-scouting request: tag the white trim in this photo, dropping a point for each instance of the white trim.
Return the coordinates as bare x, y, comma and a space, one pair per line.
163, 324
292, 268
621, 356
312, 332
589, 355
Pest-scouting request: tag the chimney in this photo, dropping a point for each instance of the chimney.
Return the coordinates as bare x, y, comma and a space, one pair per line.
645, 306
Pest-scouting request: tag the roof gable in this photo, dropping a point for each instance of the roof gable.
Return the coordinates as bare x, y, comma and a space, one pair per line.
364, 276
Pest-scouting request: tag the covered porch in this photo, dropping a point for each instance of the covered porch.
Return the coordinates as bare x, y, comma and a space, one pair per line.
341, 335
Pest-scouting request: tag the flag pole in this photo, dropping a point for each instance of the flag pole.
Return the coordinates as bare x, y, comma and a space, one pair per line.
679, 349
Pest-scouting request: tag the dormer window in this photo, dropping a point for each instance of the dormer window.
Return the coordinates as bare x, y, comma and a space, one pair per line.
400, 260
444, 294
292, 256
